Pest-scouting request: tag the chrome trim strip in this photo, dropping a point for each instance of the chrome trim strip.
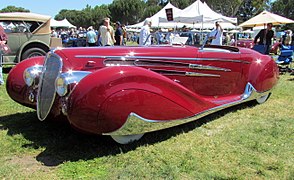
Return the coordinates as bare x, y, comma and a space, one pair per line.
161, 63
183, 73
204, 67
136, 124
201, 74
160, 58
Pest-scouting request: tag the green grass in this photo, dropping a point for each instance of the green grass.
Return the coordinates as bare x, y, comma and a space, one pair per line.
243, 142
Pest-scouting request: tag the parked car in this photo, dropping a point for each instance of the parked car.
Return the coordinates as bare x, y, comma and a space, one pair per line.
249, 43
28, 35
127, 91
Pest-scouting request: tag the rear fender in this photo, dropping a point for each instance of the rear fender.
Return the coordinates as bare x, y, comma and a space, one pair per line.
263, 73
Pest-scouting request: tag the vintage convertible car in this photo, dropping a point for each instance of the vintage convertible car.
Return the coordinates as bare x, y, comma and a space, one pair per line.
127, 91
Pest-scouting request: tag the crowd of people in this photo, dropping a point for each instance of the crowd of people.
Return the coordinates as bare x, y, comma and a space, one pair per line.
106, 35
216, 37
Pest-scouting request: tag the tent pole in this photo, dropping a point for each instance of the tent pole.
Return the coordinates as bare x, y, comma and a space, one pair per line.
201, 30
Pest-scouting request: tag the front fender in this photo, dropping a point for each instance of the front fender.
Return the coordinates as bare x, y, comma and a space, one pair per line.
102, 101
15, 84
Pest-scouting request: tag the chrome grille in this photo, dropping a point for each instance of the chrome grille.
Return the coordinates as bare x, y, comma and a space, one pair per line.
46, 92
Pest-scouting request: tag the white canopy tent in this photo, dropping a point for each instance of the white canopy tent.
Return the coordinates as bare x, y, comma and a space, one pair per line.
198, 13
62, 23
160, 14
210, 25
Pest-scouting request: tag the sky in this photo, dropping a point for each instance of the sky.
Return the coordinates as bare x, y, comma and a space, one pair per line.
52, 7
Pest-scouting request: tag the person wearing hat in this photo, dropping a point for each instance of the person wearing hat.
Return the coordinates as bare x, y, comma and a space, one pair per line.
106, 33
91, 37
186, 33
118, 35
264, 37
216, 35
145, 38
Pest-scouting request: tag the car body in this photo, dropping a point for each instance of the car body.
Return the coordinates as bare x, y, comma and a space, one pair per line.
128, 91
29, 35
247, 43
276, 48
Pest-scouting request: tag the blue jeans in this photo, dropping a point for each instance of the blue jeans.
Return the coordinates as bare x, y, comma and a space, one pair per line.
1, 75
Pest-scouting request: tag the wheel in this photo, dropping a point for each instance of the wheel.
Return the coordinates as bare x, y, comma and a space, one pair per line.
33, 52
262, 98
125, 139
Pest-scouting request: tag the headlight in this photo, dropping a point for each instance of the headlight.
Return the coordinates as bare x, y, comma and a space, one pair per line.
63, 81
61, 85
31, 73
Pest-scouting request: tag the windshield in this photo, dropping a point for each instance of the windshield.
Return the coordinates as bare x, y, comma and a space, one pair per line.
20, 26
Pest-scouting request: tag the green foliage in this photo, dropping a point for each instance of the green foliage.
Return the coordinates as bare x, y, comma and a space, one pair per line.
14, 9
87, 17
127, 11
150, 11
182, 4
225, 7
284, 8
250, 8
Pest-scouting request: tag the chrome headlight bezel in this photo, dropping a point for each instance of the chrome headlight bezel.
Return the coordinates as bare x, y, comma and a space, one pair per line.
30, 74
63, 81
61, 85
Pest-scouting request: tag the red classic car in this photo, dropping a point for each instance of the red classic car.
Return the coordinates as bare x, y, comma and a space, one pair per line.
127, 91
249, 43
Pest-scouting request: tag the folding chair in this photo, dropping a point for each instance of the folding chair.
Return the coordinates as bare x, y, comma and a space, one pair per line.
285, 59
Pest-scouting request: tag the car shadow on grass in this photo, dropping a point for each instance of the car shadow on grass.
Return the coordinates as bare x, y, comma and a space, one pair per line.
62, 143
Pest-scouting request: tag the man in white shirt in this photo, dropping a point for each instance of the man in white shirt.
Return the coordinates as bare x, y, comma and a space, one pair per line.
145, 38
216, 35
106, 33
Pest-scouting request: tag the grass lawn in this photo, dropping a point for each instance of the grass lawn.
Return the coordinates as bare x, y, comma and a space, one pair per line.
242, 142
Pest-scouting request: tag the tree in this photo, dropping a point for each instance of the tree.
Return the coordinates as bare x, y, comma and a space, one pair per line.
14, 9
181, 4
127, 11
225, 7
98, 14
150, 11
284, 8
152, 2
86, 17
251, 8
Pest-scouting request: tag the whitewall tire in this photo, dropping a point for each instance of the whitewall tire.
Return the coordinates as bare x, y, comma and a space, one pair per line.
262, 98
126, 139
